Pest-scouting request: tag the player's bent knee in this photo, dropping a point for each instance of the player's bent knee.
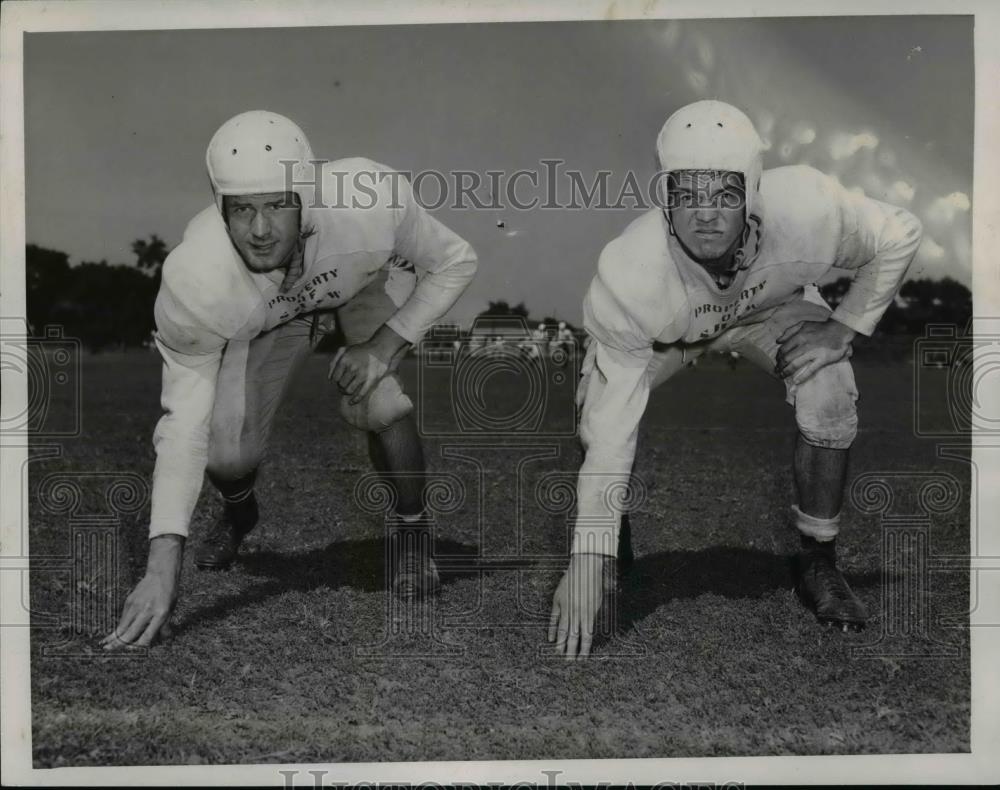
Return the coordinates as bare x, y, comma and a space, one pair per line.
231, 466
826, 407
384, 406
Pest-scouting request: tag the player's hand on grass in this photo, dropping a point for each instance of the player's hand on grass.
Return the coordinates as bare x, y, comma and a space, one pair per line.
357, 369
808, 346
147, 610
576, 604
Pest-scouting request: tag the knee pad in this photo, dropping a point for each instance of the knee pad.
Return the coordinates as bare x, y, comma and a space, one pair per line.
825, 407
379, 409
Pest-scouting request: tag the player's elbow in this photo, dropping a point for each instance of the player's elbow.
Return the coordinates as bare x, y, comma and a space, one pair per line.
470, 260
913, 228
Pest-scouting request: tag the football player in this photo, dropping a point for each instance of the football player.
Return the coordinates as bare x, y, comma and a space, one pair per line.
290, 247
728, 263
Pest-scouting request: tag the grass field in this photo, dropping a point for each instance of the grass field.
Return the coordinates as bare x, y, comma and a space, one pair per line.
294, 655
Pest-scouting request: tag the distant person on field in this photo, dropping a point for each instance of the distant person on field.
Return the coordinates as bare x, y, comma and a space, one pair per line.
562, 344
290, 248
729, 263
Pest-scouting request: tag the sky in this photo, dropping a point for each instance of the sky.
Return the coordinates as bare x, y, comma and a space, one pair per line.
116, 123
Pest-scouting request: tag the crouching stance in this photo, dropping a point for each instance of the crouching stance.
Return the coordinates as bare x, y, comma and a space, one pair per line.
291, 248
728, 263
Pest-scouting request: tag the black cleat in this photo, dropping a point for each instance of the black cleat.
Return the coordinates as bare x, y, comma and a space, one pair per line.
415, 574
219, 547
823, 588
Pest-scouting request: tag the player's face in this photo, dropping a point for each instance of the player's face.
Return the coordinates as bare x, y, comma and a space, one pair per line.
708, 212
264, 228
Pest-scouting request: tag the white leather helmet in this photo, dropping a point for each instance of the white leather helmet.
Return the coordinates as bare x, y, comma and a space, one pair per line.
245, 156
713, 135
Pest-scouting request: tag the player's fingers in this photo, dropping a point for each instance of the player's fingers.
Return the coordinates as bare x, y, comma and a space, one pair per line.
806, 372
348, 381
554, 620
348, 370
127, 637
147, 636
796, 363
790, 331
586, 640
792, 343
123, 624
562, 632
573, 642
365, 384
335, 364
792, 361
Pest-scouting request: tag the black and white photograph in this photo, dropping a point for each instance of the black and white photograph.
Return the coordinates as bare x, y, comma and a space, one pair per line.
517, 393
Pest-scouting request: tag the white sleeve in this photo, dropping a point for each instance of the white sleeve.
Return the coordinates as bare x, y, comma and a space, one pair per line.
446, 262
181, 435
615, 393
878, 240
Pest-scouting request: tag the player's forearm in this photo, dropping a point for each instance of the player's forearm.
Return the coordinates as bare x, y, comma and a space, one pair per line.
435, 294
181, 438
177, 482
617, 391
602, 487
165, 555
878, 280
388, 343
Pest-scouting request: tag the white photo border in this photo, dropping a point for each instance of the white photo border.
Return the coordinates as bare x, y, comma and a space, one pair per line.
982, 765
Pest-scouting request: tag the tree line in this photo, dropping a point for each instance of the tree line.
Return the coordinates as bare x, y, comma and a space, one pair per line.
110, 306
105, 306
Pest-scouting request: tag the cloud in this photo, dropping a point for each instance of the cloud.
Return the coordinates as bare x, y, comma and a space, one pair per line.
803, 134
900, 193
943, 210
697, 80
844, 145
787, 150
765, 123
887, 157
962, 245
671, 34
930, 251
706, 55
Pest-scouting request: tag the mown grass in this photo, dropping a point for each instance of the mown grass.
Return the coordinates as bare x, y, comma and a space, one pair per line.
291, 656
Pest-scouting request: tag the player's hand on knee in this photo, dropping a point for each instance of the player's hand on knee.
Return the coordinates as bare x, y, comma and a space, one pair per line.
147, 610
575, 606
808, 346
357, 369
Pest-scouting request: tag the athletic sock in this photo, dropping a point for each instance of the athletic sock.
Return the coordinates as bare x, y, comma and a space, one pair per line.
818, 530
238, 499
